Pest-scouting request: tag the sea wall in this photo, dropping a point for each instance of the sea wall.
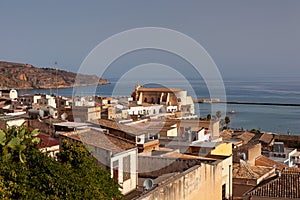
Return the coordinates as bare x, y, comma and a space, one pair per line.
292, 141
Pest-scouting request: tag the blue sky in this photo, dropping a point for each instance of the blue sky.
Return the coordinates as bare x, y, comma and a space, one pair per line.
244, 38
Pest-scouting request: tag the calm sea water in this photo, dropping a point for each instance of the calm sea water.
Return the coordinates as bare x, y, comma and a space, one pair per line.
278, 119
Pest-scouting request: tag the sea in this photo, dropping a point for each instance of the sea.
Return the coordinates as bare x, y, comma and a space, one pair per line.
267, 118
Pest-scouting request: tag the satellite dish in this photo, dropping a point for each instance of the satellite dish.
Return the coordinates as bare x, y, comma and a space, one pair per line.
148, 184
64, 116
51, 111
242, 156
41, 113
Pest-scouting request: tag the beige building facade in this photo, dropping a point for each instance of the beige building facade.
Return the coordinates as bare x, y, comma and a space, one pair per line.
203, 181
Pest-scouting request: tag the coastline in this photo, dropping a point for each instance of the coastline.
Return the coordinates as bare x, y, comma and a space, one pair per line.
61, 86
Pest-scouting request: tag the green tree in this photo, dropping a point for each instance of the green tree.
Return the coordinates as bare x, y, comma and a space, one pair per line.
222, 123
76, 156
38, 176
219, 114
208, 117
227, 120
255, 131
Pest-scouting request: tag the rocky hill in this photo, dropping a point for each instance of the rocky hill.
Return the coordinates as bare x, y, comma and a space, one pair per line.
26, 76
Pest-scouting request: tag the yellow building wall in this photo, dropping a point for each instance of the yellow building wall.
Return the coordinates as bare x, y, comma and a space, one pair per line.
224, 149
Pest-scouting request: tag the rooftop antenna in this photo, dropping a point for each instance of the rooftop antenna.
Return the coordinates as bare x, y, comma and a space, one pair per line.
148, 184
55, 63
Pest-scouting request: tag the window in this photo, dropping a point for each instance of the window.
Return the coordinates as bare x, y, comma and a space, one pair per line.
153, 136
126, 168
116, 170
223, 191
145, 100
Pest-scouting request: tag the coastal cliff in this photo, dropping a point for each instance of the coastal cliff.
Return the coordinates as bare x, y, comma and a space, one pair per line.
27, 76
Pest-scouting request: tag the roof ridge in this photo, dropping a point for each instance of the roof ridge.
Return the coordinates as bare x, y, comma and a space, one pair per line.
250, 172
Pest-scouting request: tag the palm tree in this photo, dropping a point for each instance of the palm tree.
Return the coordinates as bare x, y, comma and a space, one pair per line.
219, 114
227, 120
208, 117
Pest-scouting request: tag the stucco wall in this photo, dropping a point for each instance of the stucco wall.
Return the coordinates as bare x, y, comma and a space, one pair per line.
226, 166
15, 122
197, 179
199, 182
172, 132
198, 124
253, 153
130, 184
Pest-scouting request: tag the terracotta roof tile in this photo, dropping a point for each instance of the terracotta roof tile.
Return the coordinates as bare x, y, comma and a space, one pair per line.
47, 141
266, 138
245, 136
110, 124
99, 139
267, 162
287, 185
244, 170
225, 134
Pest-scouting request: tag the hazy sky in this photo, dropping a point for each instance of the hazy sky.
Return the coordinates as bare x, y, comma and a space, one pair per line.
242, 37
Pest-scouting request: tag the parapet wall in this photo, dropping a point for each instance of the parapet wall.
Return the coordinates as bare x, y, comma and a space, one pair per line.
150, 166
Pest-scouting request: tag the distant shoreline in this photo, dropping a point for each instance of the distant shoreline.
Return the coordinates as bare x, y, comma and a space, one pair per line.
61, 87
